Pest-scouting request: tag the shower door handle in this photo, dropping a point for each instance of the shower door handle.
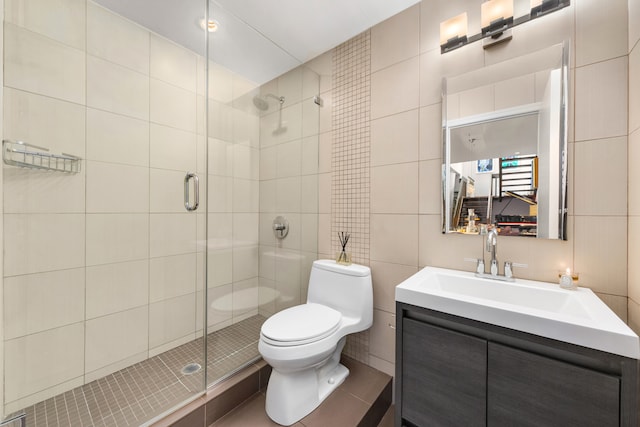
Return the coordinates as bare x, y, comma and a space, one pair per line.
196, 192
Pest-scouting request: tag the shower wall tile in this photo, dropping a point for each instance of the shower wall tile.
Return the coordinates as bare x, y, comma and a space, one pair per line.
172, 234
220, 121
171, 320
115, 188
309, 232
68, 27
117, 238
107, 284
37, 302
275, 131
172, 106
172, 63
394, 139
245, 299
171, 277
167, 191
245, 263
115, 138
220, 270
221, 83
634, 24
44, 121
218, 306
220, 194
38, 64
37, 243
37, 362
117, 89
172, 148
29, 191
634, 89
115, 337
309, 156
288, 195
288, 157
117, 39
245, 162
396, 39
309, 194
245, 229
290, 86
246, 125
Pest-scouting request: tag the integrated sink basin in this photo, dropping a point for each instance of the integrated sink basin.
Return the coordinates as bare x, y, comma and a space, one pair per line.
578, 317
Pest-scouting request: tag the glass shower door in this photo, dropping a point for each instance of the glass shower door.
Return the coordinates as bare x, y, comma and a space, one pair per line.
104, 268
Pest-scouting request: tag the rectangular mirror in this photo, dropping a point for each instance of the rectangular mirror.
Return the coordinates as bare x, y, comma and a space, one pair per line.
505, 147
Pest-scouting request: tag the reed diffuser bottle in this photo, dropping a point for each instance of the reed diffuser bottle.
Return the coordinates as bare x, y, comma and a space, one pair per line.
343, 257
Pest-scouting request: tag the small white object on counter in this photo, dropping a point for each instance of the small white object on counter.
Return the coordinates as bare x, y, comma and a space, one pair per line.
577, 317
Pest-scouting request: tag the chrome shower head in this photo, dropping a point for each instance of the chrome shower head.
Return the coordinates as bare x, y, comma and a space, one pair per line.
261, 103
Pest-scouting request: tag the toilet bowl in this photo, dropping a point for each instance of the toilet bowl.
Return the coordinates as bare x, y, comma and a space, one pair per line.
303, 343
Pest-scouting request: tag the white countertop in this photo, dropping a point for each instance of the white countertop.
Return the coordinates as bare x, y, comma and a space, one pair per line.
578, 317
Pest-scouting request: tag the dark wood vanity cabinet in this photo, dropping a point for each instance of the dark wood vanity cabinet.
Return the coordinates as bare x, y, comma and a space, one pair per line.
452, 371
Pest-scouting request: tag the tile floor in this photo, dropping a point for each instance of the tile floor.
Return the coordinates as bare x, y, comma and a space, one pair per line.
140, 392
364, 392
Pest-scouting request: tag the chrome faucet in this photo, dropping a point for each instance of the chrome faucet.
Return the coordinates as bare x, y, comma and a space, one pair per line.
492, 246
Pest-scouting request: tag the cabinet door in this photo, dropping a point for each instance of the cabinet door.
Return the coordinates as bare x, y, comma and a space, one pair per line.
443, 376
526, 389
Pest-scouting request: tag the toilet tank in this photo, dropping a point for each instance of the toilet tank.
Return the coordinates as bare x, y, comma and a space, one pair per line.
346, 288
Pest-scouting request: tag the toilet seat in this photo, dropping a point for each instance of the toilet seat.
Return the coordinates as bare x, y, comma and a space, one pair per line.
302, 324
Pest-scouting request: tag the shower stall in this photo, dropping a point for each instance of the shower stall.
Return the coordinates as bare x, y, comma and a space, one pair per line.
145, 160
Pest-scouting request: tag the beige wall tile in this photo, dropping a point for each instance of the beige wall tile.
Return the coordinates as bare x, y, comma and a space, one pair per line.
394, 239
117, 89
245, 298
37, 64
171, 277
246, 162
515, 92
396, 39
171, 319
220, 121
220, 267
290, 85
326, 112
476, 101
172, 106
116, 287
114, 188
167, 191
220, 158
309, 194
600, 177
288, 157
172, 63
617, 304
268, 196
310, 158
61, 20
634, 23
633, 310
600, 39
324, 193
268, 163
445, 250
324, 234
430, 181
37, 302
310, 117
37, 243
111, 37
172, 148
634, 173
394, 139
115, 138
44, 121
385, 278
393, 89
117, 238
245, 229
246, 195
29, 191
39, 361
309, 232
172, 234
288, 194
394, 189
219, 311
601, 253
601, 100
245, 263
382, 337
272, 131
431, 132
634, 90
115, 337
633, 254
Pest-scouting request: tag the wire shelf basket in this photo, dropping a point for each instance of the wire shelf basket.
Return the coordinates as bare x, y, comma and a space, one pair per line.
21, 154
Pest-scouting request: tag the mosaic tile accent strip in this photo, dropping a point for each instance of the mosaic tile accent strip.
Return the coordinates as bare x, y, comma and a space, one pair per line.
138, 393
350, 160
351, 142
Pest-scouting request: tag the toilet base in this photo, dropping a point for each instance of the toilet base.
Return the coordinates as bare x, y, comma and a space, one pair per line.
291, 397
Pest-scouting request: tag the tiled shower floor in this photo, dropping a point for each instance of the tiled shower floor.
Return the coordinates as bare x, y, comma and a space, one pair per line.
136, 394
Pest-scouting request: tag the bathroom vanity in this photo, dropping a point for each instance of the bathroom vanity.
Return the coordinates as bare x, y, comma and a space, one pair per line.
477, 352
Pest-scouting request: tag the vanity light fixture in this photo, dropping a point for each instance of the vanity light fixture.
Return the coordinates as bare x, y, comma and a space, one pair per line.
453, 33
496, 22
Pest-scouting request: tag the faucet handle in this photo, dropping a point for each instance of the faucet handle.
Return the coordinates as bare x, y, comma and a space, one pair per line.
480, 266
508, 272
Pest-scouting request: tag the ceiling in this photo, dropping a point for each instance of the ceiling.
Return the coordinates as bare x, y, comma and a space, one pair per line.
260, 39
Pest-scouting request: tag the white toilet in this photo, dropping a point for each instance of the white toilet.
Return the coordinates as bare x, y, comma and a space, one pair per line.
303, 343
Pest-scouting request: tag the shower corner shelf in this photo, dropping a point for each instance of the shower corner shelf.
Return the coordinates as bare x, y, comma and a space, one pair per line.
21, 154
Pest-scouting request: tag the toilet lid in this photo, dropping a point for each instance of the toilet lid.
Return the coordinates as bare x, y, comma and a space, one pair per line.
303, 323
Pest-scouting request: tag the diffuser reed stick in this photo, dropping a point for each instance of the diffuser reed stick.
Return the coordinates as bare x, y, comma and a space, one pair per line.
343, 257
